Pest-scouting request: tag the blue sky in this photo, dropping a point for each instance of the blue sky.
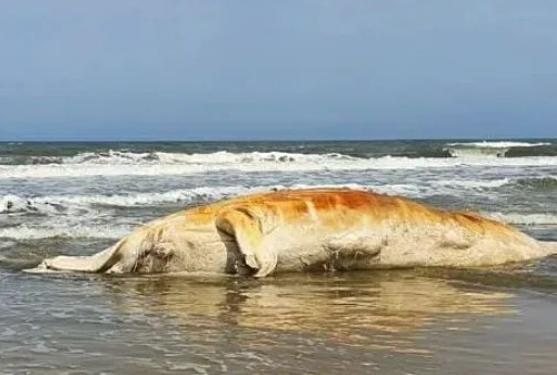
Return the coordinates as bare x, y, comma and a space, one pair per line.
103, 70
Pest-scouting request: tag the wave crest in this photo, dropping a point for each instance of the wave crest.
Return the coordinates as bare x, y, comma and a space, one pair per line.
489, 149
114, 157
24, 232
524, 219
58, 203
539, 183
185, 164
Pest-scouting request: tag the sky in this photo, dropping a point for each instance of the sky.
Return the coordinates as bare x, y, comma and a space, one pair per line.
267, 69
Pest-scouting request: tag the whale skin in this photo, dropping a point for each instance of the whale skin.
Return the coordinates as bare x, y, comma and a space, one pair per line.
309, 230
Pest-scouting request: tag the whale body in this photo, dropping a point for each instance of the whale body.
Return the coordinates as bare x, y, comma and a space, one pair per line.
309, 229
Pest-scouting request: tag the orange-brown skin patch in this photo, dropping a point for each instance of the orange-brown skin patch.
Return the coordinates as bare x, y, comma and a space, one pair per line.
340, 207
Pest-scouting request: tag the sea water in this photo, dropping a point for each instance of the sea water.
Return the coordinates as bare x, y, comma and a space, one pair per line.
78, 198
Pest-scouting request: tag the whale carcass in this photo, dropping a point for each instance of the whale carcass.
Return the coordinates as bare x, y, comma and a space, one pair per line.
309, 229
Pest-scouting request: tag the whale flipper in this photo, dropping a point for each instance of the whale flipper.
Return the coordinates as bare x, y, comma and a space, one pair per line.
248, 226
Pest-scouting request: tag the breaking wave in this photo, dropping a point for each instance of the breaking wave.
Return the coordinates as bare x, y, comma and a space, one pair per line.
60, 203
524, 219
155, 164
492, 149
474, 184
115, 157
24, 232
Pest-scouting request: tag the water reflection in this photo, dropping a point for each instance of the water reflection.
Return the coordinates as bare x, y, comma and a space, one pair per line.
385, 309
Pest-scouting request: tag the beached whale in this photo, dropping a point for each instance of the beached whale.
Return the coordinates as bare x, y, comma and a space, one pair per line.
310, 229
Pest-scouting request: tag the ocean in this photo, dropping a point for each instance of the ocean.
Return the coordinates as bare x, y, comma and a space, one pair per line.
78, 198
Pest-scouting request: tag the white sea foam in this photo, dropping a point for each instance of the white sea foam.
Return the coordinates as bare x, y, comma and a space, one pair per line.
14, 203
524, 219
24, 232
185, 164
55, 203
474, 184
220, 157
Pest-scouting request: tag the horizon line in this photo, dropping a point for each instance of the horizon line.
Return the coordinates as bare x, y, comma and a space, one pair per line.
272, 140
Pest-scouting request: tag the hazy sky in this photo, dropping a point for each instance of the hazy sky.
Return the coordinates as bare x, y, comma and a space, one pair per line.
208, 69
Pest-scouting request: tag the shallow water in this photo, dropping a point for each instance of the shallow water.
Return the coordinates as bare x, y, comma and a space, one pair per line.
395, 322
493, 320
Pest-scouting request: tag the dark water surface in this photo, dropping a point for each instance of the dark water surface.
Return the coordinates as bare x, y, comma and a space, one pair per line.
74, 198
